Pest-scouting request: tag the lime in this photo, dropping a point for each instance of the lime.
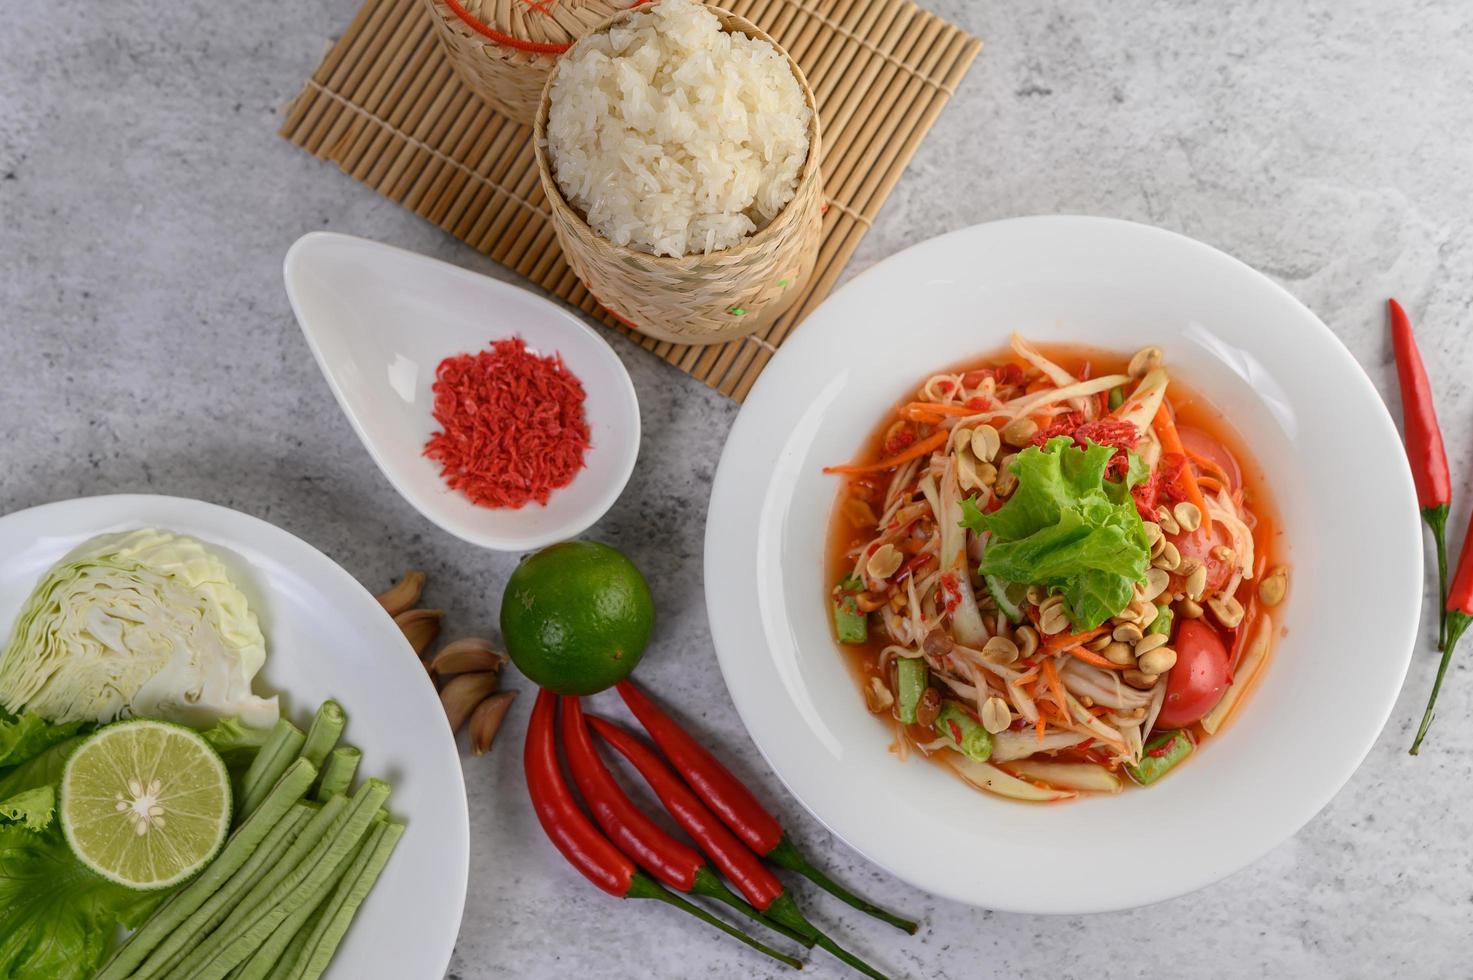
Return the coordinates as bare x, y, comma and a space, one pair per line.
576, 617
1009, 596
145, 803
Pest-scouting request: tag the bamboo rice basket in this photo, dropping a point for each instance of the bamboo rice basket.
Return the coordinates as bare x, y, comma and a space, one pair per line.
504, 49
700, 298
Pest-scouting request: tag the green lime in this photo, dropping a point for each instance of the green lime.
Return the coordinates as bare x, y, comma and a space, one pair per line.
576, 617
1009, 596
145, 803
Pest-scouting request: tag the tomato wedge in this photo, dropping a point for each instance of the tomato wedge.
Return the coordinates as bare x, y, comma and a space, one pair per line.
1195, 684
1199, 443
1199, 545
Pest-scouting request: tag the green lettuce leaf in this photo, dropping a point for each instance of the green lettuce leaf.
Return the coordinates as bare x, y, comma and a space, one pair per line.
1069, 528
32, 809
57, 919
27, 734
238, 745
39, 770
236, 742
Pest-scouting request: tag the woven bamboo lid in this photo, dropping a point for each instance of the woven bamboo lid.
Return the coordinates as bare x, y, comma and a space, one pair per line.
535, 26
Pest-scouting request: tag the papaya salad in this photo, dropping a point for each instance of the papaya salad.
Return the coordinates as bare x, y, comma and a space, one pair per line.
1054, 572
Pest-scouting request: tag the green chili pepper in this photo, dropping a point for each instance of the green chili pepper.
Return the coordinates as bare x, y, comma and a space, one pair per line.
1162, 623
1117, 397
911, 674
964, 732
1162, 752
851, 624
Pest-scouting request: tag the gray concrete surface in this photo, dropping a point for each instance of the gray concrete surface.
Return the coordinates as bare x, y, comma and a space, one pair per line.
146, 345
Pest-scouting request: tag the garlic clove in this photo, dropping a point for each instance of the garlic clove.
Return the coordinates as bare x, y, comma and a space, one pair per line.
404, 594
420, 627
486, 720
464, 692
466, 656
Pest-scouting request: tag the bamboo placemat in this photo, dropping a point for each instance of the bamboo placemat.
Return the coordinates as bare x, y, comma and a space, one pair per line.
386, 107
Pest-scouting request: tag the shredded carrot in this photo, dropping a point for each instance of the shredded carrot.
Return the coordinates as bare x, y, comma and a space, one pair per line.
926, 445
1056, 687
1060, 715
923, 411
1171, 443
1217, 472
1209, 483
1039, 726
1090, 657
1062, 642
1023, 680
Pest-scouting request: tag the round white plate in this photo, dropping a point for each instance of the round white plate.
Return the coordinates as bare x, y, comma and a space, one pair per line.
1318, 429
380, 320
326, 637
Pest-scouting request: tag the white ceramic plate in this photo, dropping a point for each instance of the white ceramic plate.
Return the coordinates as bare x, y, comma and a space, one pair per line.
380, 320
326, 637
1320, 432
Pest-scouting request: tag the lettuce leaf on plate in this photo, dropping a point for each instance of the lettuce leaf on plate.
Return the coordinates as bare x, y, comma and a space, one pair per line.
236, 741
57, 918
32, 809
33, 752
27, 735
43, 769
1070, 528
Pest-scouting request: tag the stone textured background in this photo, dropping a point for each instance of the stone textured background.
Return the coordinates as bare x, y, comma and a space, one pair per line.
146, 345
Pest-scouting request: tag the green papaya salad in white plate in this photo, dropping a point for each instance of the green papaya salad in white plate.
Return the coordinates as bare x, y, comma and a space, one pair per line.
195, 710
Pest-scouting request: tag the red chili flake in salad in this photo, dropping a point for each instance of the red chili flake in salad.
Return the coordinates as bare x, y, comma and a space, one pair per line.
512, 424
899, 439
1162, 749
1063, 425
951, 592
1118, 467
1108, 432
1166, 484
1171, 473
1008, 374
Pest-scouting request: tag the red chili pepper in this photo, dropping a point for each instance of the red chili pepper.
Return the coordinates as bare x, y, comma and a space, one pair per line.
586, 849
745, 869
735, 804
640, 838
1424, 447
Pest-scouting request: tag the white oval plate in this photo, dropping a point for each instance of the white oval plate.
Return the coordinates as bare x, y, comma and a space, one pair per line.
1319, 431
326, 637
380, 320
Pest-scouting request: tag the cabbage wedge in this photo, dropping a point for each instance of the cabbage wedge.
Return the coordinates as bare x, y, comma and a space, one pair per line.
144, 623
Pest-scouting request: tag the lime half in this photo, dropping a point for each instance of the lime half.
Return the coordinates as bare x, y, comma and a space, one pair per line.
145, 803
